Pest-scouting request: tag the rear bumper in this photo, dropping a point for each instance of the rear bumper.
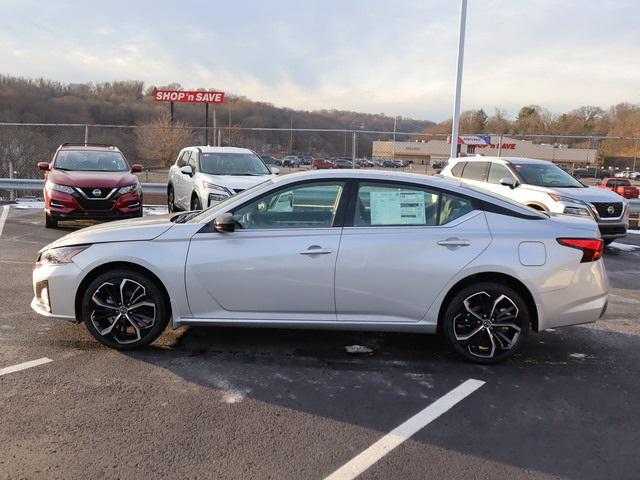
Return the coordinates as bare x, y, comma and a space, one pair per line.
584, 300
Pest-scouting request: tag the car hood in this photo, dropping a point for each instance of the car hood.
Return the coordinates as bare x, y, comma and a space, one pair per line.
92, 179
138, 229
236, 182
589, 194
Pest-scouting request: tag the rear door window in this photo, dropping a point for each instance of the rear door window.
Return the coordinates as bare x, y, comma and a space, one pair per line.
476, 171
387, 204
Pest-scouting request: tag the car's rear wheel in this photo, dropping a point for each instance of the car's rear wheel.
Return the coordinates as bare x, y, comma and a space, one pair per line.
195, 203
123, 309
49, 221
486, 322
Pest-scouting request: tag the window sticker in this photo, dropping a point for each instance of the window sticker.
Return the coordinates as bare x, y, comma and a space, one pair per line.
397, 207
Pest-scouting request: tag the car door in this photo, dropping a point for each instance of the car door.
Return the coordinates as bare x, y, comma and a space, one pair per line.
279, 264
400, 246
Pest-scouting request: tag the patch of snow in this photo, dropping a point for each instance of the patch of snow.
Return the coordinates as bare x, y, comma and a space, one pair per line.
634, 232
357, 349
624, 246
577, 355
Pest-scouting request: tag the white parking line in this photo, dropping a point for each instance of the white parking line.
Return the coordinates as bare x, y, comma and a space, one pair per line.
403, 432
3, 217
24, 366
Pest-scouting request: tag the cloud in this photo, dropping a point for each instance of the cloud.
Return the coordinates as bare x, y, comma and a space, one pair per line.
373, 56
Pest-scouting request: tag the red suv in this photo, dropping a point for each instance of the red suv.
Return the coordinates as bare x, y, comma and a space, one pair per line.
320, 163
90, 181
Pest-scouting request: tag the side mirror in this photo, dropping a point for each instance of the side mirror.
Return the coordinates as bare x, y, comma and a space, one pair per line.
135, 168
224, 223
44, 166
187, 170
274, 170
508, 182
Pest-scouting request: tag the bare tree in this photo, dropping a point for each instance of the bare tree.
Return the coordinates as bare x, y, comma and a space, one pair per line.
159, 141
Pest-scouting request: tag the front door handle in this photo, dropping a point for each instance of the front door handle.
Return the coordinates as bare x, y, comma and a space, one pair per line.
316, 250
454, 242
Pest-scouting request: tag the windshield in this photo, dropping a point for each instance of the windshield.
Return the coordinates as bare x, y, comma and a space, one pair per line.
546, 175
232, 164
91, 161
223, 205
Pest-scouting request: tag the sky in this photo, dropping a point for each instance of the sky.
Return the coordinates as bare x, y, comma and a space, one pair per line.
377, 56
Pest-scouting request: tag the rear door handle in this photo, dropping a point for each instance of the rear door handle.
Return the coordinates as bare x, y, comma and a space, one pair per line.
316, 250
454, 242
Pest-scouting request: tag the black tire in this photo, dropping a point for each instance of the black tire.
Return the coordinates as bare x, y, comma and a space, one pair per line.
109, 324
49, 221
171, 200
477, 335
609, 241
195, 203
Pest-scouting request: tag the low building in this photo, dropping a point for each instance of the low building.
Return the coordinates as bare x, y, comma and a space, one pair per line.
428, 151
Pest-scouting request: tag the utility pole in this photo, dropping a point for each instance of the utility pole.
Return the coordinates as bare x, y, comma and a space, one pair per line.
456, 99
393, 144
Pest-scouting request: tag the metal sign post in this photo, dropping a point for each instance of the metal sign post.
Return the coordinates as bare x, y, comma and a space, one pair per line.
456, 100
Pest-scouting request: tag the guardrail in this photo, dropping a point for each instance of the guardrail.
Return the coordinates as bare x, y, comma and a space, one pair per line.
38, 184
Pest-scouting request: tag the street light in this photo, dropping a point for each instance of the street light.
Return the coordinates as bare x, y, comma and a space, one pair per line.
456, 99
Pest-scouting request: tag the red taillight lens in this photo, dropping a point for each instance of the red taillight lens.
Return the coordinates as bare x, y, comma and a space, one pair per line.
592, 248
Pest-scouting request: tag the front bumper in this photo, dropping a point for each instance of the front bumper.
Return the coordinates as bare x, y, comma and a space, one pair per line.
64, 206
62, 282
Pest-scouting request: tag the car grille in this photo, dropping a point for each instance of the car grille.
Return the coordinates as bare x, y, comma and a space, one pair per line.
608, 209
89, 192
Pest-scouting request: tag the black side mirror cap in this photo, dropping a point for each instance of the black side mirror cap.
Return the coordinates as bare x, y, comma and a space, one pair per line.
224, 223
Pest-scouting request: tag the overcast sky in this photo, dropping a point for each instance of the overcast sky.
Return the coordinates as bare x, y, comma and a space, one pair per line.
396, 57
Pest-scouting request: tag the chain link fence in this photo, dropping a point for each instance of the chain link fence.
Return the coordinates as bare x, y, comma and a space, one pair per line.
22, 146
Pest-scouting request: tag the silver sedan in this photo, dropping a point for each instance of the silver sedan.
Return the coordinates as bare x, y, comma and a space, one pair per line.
359, 250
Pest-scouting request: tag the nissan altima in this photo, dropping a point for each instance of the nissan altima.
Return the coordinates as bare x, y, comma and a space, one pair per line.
358, 250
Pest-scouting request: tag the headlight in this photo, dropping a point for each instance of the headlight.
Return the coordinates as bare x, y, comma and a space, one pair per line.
582, 212
58, 188
219, 188
128, 188
60, 255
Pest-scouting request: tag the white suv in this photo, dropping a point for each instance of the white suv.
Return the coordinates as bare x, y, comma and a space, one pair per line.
204, 176
544, 186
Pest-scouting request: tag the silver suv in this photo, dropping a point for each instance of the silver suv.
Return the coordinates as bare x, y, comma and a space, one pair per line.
544, 186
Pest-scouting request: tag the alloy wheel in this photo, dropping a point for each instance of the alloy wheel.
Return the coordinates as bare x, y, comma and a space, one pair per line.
122, 311
487, 325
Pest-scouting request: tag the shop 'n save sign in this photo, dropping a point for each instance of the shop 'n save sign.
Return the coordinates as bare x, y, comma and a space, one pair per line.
187, 96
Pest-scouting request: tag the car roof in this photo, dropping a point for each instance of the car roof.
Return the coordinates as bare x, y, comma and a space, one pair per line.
516, 160
209, 149
96, 148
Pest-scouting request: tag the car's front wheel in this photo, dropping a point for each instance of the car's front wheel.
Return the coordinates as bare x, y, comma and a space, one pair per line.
49, 221
487, 322
124, 309
195, 203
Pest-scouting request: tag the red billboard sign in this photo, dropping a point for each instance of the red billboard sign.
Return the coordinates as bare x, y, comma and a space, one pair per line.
188, 97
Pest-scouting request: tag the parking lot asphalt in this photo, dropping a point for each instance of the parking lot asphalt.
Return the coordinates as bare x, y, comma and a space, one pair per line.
250, 403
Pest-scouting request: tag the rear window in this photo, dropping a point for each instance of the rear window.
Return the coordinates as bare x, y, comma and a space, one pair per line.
476, 171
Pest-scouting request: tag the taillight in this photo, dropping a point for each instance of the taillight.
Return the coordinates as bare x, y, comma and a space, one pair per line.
592, 248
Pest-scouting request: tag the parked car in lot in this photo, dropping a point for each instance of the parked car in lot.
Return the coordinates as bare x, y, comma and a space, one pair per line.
291, 161
391, 164
543, 186
356, 249
621, 186
322, 163
204, 176
90, 181
343, 163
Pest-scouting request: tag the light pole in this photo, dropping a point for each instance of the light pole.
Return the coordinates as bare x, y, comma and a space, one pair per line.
456, 100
